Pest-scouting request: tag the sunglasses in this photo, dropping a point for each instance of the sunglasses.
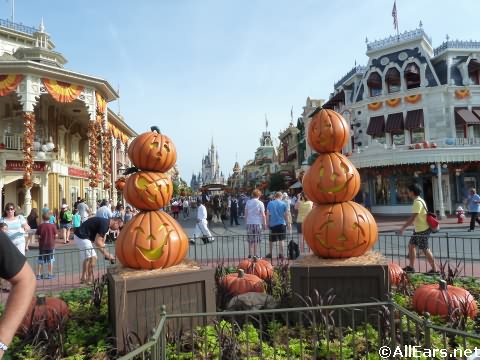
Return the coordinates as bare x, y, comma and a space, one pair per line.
10, 209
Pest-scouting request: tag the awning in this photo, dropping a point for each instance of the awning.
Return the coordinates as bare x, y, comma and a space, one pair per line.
465, 117
297, 185
395, 123
476, 111
376, 127
414, 120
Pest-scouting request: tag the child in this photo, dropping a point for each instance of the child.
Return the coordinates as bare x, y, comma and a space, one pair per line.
3, 227
47, 233
52, 218
76, 219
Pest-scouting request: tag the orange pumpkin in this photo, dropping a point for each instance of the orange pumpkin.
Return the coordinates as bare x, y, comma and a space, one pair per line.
151, 240
241, 283
148, 190
259, 267
120, 184
332, 178
438, 299
340, 230
328, 131
44, 311
152, 151
395, 273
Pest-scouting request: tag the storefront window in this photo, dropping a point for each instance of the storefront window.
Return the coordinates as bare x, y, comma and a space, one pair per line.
398, 139
382, 190
401, 190
418, 136
476, 131
380, 139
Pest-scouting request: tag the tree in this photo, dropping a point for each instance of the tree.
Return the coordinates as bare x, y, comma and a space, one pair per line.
277, 182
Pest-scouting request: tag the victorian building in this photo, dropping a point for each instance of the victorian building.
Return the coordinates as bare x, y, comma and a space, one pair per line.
58, 139
414, 112
211, 173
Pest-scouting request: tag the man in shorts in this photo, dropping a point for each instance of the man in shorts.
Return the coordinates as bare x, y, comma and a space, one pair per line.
421, 232
15, 269
277, 219
93, 230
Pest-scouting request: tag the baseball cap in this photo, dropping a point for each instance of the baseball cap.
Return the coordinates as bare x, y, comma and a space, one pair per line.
64, 206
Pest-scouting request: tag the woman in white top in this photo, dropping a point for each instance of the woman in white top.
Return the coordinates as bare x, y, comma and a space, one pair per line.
17, 226
254, 219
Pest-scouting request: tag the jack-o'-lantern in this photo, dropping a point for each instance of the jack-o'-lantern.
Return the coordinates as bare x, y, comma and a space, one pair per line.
442, 299
332, 178
152, 151
328, 131
241, 283
259, 267
340, 230
151, 240
148, 190
120, 184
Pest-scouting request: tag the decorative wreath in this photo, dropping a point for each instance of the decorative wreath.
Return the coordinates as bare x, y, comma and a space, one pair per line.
375, 106
393, 102
462, 93
413, 99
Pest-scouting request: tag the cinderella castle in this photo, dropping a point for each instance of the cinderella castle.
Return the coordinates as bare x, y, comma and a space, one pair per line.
210, 173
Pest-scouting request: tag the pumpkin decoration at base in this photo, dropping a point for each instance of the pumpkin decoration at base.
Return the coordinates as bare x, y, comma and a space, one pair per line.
148, 190
395, 273
120, 184
151, 240
152, 151
328, 131
332, 178
442, 299
340, 230
44, 312
241, 283
259, 267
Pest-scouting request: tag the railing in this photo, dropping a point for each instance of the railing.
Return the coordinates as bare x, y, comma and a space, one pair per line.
392, 40
357, 331
17, 27
13, 142
456, 44
356, 70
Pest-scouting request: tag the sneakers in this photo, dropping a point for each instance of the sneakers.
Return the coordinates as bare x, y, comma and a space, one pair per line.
45, 277
408, 269
433, 272
39, 277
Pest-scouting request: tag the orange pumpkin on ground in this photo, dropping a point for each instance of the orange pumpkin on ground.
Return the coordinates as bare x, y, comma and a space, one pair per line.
151, 240
148, 190
241, 283
44, 311
340, 230
436, 299
332, 178
259, 267
328, 131
120, 184
152, 151
395, 273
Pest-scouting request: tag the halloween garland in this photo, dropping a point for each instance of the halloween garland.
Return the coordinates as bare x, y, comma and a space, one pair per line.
107, 166
29, 122
93, 131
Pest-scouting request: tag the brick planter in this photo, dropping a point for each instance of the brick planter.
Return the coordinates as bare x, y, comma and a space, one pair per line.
135, 298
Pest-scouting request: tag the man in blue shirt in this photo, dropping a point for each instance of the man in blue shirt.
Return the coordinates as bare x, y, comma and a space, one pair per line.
473, 207
277, 218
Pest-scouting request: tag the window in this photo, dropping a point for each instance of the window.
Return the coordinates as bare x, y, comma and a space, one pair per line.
374, 83
398, 139
417, 135
401, 190
474, 71
412, 76
392, 78
382, 190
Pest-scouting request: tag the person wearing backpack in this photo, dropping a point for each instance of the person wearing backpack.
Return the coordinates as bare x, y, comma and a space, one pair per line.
66, 217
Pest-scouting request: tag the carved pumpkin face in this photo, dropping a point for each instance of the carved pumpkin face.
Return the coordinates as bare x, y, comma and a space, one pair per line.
332, 178
152, 151
340, 230
151, 240
147, 190
328, 131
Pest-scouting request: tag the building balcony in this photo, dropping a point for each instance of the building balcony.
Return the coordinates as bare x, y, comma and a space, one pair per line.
447, 150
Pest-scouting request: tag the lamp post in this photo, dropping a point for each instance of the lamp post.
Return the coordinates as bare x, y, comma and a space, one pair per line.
439, 168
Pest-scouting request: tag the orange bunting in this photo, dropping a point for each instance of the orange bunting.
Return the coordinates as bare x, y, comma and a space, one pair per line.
462, 93
9, 83
375, 106
101, 103
62, 91
413, 99
393, 102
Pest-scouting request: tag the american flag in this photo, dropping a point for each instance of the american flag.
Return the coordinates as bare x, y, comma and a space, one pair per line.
394, 14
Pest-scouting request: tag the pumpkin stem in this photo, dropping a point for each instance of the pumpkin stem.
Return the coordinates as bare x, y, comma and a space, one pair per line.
254, 259
130, 170
442, 284
41, 299
241, 273
155, 129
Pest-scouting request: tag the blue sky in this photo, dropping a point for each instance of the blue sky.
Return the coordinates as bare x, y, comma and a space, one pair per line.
212, 68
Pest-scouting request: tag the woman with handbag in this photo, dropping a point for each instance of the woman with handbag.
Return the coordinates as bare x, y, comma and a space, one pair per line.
421, 230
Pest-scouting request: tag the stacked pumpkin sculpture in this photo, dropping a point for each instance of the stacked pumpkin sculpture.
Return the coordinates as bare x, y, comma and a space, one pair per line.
337, 227
152, 239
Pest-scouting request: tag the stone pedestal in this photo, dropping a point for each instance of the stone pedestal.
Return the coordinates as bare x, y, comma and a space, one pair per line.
136, 297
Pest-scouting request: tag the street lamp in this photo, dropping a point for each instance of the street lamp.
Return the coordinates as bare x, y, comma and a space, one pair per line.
439, 168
